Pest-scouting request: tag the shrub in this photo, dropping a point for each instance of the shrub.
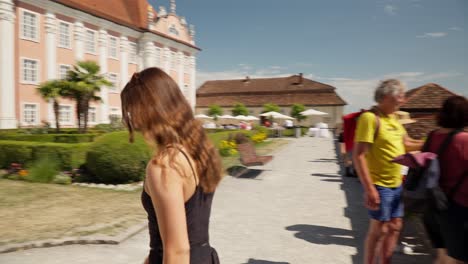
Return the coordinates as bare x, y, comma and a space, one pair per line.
227, 148
57, 138
259, 137
112, 159
68, 156
43, 170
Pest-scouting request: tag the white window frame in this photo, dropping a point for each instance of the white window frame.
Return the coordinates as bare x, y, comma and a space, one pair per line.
94, 41
38, 71
60, 67
115, 88
115, 109
95, 114
109, 48
132, 52
38, 25
59, 34
173, 61
38, 113
186, 64
71, 122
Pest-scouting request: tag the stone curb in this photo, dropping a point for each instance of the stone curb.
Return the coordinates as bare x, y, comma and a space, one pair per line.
85, 240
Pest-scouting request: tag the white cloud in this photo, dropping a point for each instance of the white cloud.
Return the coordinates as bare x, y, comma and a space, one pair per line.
433, 35
390, 9
455, 28
358, 93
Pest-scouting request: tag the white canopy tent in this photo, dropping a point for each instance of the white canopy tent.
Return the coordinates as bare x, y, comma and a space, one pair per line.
276, 115
313, 112
202, 116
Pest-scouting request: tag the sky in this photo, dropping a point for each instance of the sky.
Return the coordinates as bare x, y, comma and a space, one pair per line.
349, 44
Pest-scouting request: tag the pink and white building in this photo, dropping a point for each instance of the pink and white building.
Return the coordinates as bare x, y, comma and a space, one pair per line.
42, 39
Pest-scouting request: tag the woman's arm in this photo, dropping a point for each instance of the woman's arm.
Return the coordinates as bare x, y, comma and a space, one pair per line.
167, 194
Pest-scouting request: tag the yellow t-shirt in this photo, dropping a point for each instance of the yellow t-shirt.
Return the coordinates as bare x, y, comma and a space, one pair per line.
388, 145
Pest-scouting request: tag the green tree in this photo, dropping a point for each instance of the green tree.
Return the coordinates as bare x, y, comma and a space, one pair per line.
83, 82
296, 109
240, 109
271, 107
215, 111
52, 90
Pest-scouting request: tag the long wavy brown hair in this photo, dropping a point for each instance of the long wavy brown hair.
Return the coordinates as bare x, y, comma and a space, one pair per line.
153, 104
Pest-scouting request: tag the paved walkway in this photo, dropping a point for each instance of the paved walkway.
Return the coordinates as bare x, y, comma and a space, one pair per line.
297, 209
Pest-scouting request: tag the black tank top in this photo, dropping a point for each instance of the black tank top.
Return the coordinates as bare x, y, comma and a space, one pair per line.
197, 211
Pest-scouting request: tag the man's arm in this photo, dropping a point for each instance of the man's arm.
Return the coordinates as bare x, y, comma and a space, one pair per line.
412, 144
372, 198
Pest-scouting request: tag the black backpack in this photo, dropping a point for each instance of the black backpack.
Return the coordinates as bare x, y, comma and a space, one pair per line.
422, 183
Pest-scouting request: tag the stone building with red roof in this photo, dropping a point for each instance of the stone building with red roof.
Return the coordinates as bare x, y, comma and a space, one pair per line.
42, 39
282, 91
423, 103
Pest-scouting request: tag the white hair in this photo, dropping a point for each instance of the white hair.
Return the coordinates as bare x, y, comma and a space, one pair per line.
388, 87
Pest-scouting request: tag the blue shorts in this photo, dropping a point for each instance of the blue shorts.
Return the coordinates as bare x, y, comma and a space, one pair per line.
391, 204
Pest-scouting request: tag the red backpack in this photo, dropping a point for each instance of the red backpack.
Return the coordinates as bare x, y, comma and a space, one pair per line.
350, 124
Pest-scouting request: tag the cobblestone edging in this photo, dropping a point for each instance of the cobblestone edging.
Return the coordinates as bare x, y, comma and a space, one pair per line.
117, 187
92, 239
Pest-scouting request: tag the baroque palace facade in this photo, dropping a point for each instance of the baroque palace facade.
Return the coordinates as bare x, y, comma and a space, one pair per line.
42, 39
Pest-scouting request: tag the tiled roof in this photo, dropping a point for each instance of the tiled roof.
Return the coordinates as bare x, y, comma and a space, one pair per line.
131, 13
283, 91
422, 127
427, 97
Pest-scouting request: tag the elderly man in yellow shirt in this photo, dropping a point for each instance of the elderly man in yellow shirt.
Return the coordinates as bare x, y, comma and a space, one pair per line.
378, 141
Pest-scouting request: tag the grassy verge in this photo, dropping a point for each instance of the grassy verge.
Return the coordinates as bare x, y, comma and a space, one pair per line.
34, 211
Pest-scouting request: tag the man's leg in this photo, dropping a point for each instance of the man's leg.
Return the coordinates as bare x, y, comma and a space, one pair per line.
392, 233
374, 240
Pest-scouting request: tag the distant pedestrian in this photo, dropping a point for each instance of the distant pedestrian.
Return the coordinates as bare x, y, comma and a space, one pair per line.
381, 178
448, 230
182, 175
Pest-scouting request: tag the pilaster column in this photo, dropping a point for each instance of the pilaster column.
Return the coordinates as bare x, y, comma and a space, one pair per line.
7, 69
192, 86
166, 63
180, 70
123, 62
104, 111
79, 40
51, 58
148, 54
140, 55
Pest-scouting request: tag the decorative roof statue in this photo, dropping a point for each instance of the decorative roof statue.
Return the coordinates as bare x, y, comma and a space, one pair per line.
173, 7
162, 11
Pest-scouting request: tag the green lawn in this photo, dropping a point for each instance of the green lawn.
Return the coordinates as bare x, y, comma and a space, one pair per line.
34, 211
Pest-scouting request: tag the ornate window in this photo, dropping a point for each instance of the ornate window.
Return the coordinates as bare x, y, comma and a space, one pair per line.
112, 47
30, 25
90, 41
64, 38
30, 114
30, 71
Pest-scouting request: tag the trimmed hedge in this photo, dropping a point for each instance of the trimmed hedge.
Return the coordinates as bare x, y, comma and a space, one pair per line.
56, 138
68, 156
113, 160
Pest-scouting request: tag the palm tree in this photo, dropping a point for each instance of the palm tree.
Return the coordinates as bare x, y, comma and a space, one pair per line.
83, 82
52, 90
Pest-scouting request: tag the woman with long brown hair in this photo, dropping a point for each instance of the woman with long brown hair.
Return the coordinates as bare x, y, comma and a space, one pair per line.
182, 175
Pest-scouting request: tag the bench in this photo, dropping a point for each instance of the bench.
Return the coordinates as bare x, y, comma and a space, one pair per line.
248, 156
